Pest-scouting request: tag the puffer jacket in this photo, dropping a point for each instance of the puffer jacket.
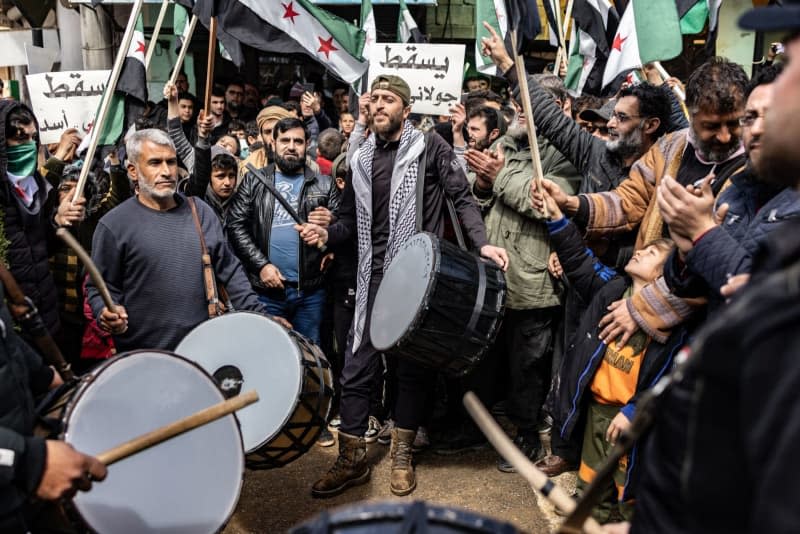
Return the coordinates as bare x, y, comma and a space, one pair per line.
22, 456
586, 351
513, 224
249, 224
28, 234
755, 211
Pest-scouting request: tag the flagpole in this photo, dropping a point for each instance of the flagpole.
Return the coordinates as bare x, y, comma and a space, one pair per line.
525, 97
151, 48
97, 127
212, 52
184, 48
563, 51
665, 75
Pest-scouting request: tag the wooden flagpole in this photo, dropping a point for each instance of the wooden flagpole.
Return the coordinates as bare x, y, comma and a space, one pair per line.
182, 54
212, 52
151, 47
563, 51
525, 98
108, 95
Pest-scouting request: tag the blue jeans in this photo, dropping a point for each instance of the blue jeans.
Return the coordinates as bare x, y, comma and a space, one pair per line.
301, 308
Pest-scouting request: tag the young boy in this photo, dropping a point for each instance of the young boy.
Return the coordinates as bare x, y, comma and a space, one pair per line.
599, 380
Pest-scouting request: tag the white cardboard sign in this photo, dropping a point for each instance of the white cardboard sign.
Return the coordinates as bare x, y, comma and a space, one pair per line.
62, 100
434, 72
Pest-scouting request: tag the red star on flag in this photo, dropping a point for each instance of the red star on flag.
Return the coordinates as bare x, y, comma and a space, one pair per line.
326, 47
618, 40
139, 47
290, 13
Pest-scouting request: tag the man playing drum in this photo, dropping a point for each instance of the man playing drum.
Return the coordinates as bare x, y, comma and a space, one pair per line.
148, 251
31, 468
379, 210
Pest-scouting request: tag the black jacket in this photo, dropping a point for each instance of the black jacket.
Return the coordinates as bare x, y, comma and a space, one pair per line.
585, 350
722, 456
28, 234
249, 224
22, 374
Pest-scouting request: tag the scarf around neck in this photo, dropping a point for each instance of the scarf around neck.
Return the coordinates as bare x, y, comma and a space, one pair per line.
402, 211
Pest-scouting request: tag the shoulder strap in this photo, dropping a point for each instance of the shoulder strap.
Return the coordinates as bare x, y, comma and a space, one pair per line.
209, 278
451, 207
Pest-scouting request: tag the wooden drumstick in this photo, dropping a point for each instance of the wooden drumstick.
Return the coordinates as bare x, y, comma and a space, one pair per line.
166, 432
538, 480
94, 273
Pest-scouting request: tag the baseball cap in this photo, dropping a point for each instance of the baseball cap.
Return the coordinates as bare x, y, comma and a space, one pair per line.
785, 16
601, 114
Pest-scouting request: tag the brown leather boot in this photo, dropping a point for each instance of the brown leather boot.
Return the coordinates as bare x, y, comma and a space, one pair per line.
403, 480
350, 468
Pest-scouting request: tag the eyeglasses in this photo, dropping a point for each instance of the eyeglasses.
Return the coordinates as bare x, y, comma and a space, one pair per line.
621, 117
591, 128
750, 118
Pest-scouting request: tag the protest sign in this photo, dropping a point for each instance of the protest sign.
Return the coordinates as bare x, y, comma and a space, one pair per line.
62, 100
434, 72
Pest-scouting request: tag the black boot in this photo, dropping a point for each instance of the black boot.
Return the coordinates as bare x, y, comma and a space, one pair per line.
530, 446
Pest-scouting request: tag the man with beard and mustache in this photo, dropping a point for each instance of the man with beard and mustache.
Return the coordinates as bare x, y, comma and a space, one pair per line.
750, 209
533, 302
715, 97
234, 102
148, 252
382, 188
285, 273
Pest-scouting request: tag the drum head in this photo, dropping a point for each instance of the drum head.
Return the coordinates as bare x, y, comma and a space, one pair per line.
403, 291
245, 351
188, 484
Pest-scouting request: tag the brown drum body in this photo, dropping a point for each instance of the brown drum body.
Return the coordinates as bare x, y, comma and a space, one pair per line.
245, 351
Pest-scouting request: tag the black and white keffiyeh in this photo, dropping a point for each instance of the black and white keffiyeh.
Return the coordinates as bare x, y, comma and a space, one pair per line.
402, 211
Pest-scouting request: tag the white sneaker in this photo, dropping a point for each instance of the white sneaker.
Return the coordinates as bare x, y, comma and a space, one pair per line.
385, 435
374, 428
335, 423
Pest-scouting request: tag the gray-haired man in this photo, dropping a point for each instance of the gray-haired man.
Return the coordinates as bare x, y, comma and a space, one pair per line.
148, 252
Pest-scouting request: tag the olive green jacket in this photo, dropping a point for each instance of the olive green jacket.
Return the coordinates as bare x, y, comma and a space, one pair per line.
513, 223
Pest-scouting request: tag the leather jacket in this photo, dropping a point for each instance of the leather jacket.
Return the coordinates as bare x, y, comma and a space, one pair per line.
249, 224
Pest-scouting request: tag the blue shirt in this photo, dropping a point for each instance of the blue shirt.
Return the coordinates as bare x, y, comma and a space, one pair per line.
284, 241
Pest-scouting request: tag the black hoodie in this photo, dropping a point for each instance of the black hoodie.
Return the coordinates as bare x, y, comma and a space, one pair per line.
27, 232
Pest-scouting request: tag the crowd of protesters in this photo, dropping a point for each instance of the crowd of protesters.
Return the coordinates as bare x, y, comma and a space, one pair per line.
655, 224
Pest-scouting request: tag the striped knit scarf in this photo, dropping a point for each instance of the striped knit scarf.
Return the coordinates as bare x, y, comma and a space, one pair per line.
402, 211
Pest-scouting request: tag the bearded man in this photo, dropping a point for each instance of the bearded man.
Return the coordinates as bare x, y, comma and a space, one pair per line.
381, 187
286, 274
148, 252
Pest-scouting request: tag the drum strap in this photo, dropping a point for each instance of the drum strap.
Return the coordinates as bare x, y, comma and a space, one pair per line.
216, 306
479, 298
451, 208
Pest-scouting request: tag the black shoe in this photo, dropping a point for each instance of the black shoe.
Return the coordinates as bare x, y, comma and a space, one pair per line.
465, 441
530, 448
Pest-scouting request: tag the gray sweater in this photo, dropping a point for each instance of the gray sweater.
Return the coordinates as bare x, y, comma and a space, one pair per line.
151, 262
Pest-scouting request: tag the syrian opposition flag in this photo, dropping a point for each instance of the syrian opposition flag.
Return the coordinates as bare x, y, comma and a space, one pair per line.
407, 30
649, 30
368, 25
594, 25
290, 26
694, 13
180, 26
130, 97
494, 13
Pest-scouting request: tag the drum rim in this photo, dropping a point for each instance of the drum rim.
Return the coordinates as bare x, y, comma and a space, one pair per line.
424, 304
89, 378
299, 385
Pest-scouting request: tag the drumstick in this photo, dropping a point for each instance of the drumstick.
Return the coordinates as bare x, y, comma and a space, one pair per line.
166, 432
538, 480
99, 283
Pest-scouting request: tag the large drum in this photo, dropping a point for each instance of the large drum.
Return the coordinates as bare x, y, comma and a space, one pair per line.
438, 305
189, 484
245, 351
417, 517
